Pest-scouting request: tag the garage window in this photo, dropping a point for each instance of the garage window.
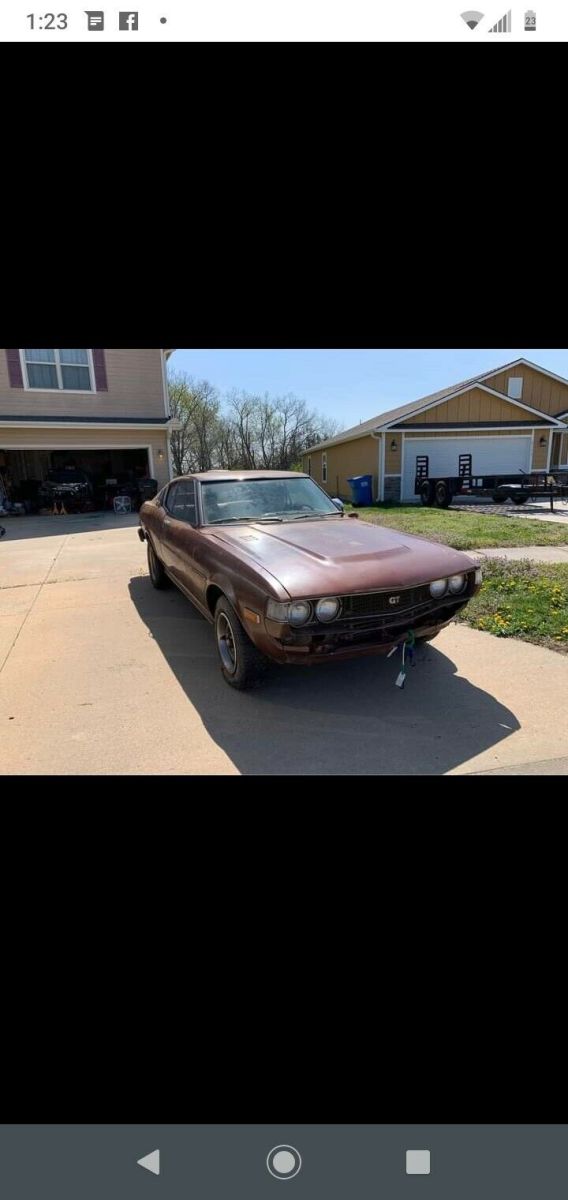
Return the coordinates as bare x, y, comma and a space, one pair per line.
58, 370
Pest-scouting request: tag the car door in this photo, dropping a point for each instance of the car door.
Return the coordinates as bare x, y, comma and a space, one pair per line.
181, 537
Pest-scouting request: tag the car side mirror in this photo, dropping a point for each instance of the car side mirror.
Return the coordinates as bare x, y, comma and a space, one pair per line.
338, 503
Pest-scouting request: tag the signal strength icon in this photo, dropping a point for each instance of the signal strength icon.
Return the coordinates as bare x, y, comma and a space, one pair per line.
472, 18
504, 25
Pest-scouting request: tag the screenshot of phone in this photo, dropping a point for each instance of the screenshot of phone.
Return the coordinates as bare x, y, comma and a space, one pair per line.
315, 1162
99, 21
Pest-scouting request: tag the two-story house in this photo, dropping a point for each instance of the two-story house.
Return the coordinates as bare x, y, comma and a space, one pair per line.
513, 418
105, 411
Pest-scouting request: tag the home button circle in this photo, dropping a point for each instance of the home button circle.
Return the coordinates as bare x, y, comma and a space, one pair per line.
284, 1162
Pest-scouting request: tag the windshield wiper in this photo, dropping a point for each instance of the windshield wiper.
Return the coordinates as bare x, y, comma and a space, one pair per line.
242, 520
315, 516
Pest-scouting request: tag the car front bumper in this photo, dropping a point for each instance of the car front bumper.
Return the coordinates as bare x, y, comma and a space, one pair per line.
356, 639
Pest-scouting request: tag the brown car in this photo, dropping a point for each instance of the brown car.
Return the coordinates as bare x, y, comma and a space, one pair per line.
284, 574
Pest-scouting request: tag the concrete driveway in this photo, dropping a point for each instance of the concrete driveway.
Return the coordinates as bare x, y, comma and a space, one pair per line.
100, 674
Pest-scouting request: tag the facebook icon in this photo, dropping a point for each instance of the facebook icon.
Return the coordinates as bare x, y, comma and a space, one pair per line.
128, 20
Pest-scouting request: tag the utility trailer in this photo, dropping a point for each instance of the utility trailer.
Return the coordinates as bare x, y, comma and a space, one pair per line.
440, 491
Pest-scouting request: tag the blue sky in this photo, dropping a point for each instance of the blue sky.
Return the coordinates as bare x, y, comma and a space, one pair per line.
351, 385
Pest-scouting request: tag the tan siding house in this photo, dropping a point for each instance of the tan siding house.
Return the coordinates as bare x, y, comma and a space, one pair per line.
99, 409
510, 420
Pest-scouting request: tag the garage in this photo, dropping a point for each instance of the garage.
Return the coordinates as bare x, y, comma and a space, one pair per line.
490, 456
102, 475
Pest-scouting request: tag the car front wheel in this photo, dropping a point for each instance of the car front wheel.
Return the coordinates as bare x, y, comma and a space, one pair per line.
242, 665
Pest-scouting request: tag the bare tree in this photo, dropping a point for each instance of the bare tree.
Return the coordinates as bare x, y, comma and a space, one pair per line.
248, 431
271, 433
196, 405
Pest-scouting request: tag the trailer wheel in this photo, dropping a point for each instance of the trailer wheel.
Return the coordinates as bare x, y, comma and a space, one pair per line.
427, 494
519, 499
442, 494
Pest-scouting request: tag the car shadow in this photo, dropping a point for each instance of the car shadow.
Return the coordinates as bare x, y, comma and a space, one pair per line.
344, 718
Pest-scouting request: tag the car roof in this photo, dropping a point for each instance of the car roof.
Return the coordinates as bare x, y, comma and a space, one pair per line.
214, 476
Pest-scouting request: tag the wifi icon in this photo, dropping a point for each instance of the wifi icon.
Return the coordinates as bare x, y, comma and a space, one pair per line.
472, 18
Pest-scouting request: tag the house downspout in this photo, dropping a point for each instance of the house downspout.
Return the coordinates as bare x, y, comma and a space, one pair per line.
167, 411
378, 437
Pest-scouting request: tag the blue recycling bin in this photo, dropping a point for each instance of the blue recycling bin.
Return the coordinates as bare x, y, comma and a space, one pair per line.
361, 490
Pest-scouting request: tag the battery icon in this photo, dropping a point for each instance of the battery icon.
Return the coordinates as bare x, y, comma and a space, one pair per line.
530, 21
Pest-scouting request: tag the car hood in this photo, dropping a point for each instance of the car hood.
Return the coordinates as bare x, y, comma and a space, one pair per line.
335, 557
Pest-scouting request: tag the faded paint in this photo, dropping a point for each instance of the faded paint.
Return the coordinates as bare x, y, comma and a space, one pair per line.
359, 457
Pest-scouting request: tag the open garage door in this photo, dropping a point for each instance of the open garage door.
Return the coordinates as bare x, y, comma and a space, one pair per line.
109, 473
489, 456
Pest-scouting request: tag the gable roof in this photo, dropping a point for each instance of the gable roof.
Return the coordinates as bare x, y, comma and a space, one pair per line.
387, 419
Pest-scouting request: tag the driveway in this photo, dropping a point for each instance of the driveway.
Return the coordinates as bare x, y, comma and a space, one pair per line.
100, 674
535, 510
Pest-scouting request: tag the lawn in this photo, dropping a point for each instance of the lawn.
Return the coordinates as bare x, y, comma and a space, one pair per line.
467, 531
522, 600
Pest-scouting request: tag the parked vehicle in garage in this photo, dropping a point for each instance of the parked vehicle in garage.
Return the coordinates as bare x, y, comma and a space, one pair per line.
285, 575
68, 486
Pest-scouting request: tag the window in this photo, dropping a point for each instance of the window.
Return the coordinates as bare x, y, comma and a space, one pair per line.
309, 466
515, 388
181, 501
58, 370
324, 467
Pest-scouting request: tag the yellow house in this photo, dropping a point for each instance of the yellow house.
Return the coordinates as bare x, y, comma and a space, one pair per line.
514, 418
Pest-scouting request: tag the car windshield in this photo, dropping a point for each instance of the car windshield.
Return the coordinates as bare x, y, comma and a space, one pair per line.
264, 500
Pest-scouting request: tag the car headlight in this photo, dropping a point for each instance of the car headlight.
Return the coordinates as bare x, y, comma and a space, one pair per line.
296, 613
438, 588
327, 610
299, 612
457, 584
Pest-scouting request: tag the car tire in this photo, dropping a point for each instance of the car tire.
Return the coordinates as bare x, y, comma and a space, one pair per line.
442, 495
242, 665
158, 576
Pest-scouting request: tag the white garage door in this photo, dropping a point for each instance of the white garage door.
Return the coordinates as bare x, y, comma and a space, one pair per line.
489, 456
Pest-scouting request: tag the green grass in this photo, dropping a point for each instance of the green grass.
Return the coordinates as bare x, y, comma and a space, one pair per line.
467, 531
522, 600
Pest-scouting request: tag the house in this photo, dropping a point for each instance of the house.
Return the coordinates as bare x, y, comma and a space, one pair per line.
102, 411
510, 419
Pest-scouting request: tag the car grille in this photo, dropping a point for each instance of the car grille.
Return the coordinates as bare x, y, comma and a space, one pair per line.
376, 604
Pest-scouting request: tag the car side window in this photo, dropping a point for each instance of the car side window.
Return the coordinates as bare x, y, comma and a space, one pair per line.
181, 501
169, 497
